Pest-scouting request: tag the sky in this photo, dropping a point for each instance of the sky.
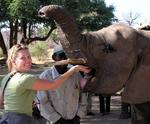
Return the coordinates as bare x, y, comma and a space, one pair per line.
137, 7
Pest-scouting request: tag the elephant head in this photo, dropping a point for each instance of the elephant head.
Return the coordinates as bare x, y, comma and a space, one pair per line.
115, 52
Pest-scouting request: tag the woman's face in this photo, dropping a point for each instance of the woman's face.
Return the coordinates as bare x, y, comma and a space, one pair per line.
23, 61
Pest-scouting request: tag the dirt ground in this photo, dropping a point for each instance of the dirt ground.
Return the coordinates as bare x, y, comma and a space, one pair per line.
112, 118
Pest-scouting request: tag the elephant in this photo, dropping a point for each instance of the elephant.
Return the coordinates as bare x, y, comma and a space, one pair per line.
118, 53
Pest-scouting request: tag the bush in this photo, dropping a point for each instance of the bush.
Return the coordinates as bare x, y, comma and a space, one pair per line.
39, 50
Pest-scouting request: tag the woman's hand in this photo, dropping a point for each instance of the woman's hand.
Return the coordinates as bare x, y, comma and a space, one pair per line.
82, 68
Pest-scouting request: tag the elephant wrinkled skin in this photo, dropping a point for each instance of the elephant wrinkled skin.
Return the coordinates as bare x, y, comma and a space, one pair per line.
118, 53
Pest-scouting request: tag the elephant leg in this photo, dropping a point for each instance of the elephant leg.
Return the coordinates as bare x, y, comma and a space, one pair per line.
125, 110
141, 113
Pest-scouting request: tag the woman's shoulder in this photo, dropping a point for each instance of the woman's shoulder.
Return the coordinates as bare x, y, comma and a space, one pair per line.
26, 80
25, 76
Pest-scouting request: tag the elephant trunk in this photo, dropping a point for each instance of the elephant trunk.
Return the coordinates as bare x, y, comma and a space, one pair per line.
65, 21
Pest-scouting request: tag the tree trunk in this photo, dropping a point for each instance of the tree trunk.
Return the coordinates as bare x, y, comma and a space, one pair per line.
24, 28
29, 29
2, 44
24, 31
11, 34
15, 32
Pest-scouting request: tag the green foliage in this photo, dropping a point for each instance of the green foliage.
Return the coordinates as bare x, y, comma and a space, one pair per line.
23, 8
89, 14
95, 15
39, 50
44, 30
3, 10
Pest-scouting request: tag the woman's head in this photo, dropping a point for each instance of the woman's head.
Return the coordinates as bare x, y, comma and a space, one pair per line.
19, 58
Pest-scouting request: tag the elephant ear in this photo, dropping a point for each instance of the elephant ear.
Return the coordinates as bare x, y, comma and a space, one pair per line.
135, 90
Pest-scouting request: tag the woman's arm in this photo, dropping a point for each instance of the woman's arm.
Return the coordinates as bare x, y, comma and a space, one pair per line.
46, 85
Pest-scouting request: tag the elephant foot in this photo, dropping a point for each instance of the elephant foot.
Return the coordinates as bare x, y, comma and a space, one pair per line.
125, 115
141, 113
144, 121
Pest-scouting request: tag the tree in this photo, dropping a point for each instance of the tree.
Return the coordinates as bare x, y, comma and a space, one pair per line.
95, 15
90, 15
21, 16
2, 44
131, 18
3, 19
22, 12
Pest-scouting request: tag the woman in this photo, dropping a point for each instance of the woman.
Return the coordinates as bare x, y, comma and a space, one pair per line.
20, 90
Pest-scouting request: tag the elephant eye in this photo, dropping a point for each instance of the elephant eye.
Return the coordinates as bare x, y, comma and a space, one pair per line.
108, 48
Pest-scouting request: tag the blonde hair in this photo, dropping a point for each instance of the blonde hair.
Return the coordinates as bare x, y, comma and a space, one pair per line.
12, 53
